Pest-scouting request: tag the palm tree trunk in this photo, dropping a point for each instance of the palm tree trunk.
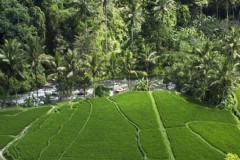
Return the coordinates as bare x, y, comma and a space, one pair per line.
84, 91
94, 87
8, 96
16, 97
132, 34
238, 16
227, 10
106, 36
129, 79
36, 80
147, 68
113, 83
15, 92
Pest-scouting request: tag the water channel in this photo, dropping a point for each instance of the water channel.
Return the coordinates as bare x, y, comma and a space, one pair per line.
50, 91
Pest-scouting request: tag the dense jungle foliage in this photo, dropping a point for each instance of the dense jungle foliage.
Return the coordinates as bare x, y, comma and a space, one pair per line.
194, 44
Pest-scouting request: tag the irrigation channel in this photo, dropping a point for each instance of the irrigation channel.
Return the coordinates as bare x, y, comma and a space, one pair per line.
50, 91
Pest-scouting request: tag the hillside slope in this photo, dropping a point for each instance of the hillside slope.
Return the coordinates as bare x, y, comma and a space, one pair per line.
133, 125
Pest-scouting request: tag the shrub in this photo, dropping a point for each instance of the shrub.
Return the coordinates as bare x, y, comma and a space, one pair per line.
101, 91
231, 156
142, 85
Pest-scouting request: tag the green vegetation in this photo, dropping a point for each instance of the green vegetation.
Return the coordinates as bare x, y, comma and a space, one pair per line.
4, 140
107, 135
212, 131
29, 146
13, 121
12, 125
193, 44
178, 114
137, 106
187, 146
185, 111
231, 156
133, 125
10, 112
238, 98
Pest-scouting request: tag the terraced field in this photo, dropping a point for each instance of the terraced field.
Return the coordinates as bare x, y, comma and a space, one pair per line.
130, 126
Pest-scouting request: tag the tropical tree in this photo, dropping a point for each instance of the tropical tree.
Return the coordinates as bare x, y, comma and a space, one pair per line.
17, 21
160, 9
72, 63
94, 65
58, 68
149, 57
36, 56
135, 17
84, 10
11, 61
128, 64
201, 4
113, 66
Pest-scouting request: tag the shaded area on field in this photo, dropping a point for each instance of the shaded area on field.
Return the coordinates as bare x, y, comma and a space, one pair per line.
12, 125
223, 136
4, 140
10, 112
137, 106
107, 135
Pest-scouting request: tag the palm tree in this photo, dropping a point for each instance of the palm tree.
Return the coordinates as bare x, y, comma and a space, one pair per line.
36, 57
11, 60
161, 8
93, 64
227, 4
232, 45
135, 17
113, 66
201, 3
105, 10
149, 57
128, 64
58, 68
72, 63
84, 10
204, 67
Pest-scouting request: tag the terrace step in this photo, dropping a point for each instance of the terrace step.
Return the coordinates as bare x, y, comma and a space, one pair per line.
162, 128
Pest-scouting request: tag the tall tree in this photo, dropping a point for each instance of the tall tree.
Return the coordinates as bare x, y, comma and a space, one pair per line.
128, 64
58, 68
135, 17
11, 60
36, 56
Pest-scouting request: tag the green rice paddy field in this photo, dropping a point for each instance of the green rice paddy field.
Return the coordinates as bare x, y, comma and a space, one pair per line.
130, 126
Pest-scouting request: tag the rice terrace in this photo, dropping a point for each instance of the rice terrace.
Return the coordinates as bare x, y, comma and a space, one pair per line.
129, 126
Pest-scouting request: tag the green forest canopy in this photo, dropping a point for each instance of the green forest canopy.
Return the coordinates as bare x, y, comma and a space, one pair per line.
192, 43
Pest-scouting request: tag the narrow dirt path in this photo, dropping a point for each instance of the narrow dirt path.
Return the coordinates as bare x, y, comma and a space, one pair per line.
162, 128
52, 109
138, 130
80, 131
